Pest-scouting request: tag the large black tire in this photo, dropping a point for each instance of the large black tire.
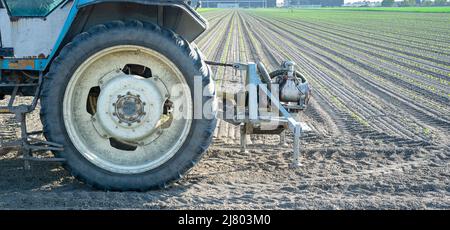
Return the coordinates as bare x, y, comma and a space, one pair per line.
164, 41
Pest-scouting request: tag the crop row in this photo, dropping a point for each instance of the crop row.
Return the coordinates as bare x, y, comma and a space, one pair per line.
366, 91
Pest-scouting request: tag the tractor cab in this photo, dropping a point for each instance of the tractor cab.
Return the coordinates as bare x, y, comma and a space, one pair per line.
41, 20
36, 8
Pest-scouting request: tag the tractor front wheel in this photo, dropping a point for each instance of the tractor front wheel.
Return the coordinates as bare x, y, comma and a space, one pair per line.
120, 98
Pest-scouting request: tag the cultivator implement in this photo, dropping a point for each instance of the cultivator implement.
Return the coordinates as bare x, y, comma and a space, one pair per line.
268, 103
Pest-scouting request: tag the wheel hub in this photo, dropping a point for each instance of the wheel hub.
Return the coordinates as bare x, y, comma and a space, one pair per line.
129, 107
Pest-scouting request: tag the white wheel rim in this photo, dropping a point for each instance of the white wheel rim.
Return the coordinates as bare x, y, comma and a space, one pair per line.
91, 133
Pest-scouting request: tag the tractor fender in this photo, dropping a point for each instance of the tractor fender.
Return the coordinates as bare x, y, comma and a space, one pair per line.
184, 20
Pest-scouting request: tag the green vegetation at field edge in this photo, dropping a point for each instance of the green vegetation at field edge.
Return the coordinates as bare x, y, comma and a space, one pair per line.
443, 9
204, 10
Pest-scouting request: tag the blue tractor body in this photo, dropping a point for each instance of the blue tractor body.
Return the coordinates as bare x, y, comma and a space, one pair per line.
78, 16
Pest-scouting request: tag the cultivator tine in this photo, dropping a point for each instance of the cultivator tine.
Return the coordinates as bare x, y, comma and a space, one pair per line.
243, 138
26, 152
283, 139
296, 157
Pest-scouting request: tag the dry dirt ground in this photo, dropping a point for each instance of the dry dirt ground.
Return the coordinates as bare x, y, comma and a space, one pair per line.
370, 148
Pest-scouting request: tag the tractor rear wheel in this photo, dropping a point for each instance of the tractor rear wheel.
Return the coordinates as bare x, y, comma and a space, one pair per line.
120, 98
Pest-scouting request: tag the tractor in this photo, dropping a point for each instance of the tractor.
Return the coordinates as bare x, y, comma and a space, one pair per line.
127, 100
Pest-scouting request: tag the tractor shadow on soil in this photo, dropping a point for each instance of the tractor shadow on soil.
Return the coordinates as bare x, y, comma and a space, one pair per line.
44, 176
50, 186
41, 177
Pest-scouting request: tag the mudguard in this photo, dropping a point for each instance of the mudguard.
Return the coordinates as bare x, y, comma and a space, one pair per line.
190, 24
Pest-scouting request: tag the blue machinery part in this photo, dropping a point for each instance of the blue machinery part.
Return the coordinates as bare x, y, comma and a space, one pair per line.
23, 64
41, 64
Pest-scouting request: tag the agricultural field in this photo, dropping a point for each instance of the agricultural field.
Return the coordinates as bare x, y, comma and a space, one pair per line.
380, 119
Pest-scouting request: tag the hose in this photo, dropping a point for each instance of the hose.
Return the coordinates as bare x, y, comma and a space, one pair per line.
284, 72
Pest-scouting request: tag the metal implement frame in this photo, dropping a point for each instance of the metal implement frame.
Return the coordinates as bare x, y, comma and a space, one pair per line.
253, 83
28, 143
